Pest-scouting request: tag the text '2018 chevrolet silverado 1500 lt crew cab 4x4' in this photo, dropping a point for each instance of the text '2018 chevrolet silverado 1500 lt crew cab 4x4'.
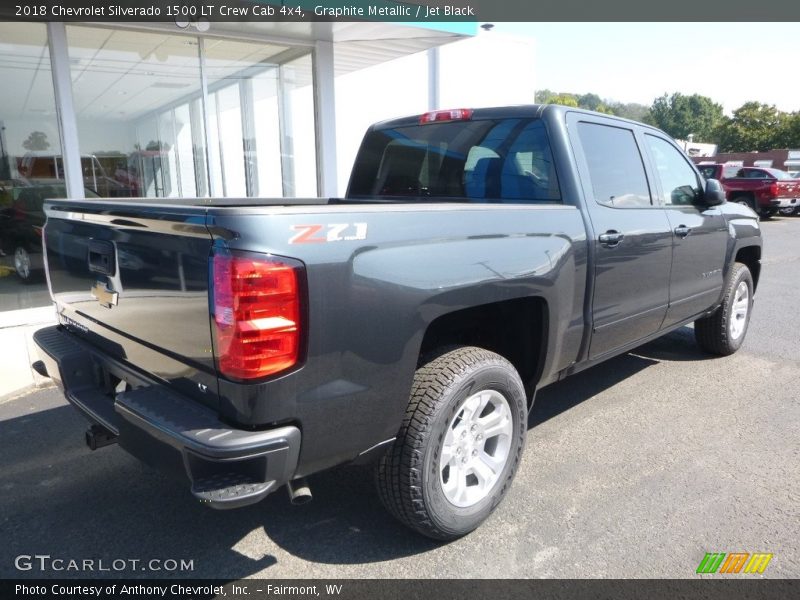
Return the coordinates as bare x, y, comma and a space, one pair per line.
477, 256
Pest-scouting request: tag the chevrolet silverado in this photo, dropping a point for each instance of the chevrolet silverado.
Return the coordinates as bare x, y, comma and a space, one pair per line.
477, 256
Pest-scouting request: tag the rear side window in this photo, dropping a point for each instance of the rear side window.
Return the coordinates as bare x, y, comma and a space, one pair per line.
615, 166
497, 160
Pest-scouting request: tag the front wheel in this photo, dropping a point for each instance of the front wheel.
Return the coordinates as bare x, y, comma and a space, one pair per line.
724, 330
459, 446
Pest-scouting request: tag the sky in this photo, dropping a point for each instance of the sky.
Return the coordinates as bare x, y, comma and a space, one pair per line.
731, 63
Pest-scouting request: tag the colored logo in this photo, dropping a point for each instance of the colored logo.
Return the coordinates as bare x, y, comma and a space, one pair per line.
734, 562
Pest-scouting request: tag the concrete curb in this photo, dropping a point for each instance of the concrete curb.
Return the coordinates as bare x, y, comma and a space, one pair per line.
17, 350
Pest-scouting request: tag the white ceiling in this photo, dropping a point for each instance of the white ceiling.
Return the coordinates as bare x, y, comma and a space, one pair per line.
120, 74
27, 84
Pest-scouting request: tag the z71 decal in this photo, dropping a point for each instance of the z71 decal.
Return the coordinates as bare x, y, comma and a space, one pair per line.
333, 232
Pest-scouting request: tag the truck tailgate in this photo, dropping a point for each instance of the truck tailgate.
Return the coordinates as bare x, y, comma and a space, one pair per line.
133, 280
788, 188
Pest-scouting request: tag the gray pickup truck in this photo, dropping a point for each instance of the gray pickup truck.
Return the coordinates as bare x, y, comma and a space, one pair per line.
478, 256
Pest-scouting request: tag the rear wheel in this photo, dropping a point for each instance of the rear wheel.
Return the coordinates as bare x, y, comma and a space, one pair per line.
746, 201
723, 332
459, 446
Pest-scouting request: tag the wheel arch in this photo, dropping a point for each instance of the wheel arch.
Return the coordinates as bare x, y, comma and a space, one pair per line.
515, 329
751, 257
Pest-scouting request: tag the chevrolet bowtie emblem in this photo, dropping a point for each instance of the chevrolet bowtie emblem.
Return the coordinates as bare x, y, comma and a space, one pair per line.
104, 296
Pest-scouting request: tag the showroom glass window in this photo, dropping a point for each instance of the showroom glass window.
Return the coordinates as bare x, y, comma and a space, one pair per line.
261, 119
138, 106
145, 125
31, 165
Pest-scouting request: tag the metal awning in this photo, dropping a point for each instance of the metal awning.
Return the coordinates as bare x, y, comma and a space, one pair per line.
357, 45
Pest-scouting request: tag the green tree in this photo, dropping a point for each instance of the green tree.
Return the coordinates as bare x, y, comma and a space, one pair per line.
543, 96
630, 110
754, 127
591, 102
789, 131
565, 100
681, 116
548, 97
602, 108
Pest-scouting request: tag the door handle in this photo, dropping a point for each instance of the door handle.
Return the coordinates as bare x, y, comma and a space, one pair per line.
611, 238
682, 231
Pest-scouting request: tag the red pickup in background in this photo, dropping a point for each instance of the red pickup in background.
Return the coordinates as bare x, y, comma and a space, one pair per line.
764, 190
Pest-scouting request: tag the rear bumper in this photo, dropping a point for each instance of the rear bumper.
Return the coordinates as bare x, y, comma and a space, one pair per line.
227, 467
784, 202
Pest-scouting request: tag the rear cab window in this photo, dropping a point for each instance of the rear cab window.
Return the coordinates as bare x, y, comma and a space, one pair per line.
505, 160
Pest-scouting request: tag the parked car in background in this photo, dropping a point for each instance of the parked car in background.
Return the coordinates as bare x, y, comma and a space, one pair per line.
764, 190
39, 167
21, 223
792, 210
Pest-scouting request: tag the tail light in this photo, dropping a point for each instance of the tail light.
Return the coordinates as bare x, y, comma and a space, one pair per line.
438, 116
257, 314
773, 189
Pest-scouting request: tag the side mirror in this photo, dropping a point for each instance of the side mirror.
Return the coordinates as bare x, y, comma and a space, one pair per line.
714, 194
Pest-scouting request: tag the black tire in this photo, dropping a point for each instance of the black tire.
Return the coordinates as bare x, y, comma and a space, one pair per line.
747, 201
713, 333
408, 475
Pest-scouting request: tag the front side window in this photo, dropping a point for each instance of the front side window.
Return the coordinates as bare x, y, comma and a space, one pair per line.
615, 166
679, 184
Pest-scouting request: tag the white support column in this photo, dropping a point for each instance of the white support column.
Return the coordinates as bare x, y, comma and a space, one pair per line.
286, 137
325, 119
247, 104
216, 188
67, 123
433, 79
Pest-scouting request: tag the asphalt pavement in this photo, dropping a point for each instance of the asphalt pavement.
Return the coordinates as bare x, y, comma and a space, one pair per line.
635, 468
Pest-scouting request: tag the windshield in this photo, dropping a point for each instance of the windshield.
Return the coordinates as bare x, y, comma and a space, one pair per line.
778, 174
497, 160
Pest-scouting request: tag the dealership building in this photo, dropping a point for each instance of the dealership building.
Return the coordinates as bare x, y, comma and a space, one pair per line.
244, 109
